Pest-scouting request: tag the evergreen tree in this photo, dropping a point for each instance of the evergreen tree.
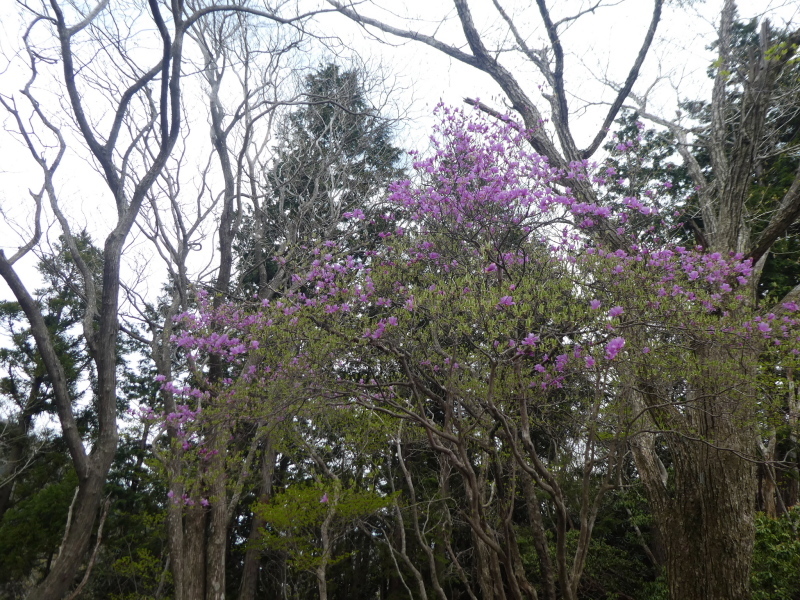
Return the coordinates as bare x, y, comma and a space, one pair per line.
334, 156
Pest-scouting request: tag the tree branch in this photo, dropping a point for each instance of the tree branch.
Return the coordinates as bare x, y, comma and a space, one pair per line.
55, 369
788, 212
633, 75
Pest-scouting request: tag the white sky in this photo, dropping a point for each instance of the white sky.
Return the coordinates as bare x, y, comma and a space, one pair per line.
604, 43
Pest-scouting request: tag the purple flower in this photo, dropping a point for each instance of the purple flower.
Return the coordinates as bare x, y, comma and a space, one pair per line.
589, 362
530, 340
616, 311
595, 304
324, 499
505, 301
613, 347
490, 268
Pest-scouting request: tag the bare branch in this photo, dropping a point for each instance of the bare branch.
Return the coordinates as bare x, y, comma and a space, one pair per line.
626, 88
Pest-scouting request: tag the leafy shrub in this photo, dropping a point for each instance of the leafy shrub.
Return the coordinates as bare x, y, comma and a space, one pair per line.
776, 557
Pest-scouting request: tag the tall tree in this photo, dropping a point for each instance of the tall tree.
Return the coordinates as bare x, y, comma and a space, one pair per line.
711, 503
740, 146
128, 119
335, 155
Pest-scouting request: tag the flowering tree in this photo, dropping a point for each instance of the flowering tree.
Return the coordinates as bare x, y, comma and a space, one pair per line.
494, 321
275, 202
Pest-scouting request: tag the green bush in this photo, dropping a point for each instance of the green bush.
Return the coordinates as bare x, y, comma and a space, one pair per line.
776, 557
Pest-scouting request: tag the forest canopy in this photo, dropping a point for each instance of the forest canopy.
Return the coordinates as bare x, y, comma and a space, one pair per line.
292, 355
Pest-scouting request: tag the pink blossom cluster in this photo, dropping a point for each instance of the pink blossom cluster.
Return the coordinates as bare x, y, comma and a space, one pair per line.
488, 213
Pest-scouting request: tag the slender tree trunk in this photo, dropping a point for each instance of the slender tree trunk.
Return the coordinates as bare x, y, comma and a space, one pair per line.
249, 585
539, 536
497, 577
177, 549
483, 568
216, 548
516, 570
194, 536
217, 533
325, 530
767, 479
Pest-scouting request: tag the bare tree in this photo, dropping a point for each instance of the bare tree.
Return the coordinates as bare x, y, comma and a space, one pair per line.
127, 118
232, 47
547, 58
249, 75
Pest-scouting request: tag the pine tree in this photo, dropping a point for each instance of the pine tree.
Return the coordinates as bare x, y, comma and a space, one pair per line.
334, 157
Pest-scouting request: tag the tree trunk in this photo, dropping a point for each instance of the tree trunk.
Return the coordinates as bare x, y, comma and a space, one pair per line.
483, 568
175, 537
708, 526
217, 545
539, 536
767, 476
217, 515
249, 585
194, 535
705, 507
327, 550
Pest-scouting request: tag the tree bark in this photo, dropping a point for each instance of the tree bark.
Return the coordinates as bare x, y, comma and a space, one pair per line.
76, 540
175, 539
705, 507
708, 526
539, 536
194, 553
217, 516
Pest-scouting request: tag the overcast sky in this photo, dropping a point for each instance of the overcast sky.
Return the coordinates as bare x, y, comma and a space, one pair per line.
599, 45
602, 44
